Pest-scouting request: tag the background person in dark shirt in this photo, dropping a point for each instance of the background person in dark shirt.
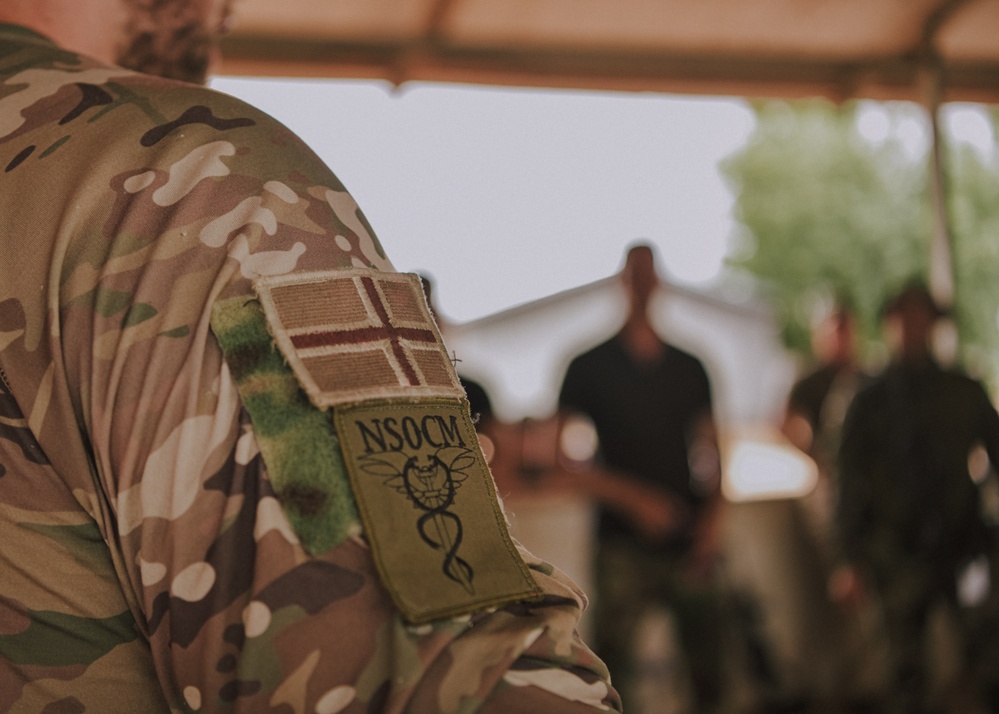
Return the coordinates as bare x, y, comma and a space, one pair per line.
650, 404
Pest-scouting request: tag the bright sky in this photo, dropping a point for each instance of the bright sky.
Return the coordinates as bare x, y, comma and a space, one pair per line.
508, 195
505, 196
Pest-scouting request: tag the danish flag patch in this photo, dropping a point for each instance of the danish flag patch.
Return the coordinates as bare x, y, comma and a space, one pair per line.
356, 335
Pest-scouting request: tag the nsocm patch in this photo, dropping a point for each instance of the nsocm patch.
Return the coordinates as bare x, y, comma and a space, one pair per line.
429, 508
358, 334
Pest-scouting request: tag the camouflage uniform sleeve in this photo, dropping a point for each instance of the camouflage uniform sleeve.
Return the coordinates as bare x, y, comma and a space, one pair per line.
173, 198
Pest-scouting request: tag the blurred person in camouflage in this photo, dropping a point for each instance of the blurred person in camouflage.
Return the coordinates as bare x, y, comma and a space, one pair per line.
658, 546
238, 471
844, 664
909, 514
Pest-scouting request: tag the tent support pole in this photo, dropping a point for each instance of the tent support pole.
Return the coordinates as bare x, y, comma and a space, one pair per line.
941, 275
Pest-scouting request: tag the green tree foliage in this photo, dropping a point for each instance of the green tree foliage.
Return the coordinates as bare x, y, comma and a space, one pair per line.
826, 213
974, 211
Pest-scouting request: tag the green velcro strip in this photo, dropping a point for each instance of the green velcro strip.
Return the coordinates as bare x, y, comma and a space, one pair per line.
297, 439
429, 508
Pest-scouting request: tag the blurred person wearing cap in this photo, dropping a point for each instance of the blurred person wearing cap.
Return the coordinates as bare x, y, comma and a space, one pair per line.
909, 513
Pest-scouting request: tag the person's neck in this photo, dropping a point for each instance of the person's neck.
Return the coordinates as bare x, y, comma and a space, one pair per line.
640, 339
89, 27
841, 360
916, 359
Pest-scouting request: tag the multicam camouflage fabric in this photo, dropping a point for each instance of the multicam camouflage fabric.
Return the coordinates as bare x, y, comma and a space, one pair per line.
147, 563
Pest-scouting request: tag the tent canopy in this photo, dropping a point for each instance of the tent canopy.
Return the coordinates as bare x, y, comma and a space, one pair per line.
839, 49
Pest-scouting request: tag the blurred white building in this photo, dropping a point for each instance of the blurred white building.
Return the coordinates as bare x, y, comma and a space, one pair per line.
520, 354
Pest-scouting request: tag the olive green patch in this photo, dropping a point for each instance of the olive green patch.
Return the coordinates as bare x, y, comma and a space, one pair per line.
429, 508
296, 439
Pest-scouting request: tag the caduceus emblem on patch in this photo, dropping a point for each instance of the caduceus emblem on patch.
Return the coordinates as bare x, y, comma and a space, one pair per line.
429, 510
431, 481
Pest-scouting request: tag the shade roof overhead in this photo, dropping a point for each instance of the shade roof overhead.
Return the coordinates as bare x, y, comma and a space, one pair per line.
880, 49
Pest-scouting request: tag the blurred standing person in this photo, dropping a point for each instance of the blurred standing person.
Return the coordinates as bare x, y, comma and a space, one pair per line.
650, 404
909, 514
843, 663
818, 401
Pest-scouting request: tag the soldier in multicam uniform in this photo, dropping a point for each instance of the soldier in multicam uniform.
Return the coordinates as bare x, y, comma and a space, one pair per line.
190, 518
909, 516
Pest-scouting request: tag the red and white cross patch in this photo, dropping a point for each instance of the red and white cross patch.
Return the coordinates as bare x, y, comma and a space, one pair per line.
355, 335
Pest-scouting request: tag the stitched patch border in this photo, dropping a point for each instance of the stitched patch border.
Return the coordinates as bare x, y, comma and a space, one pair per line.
359, 334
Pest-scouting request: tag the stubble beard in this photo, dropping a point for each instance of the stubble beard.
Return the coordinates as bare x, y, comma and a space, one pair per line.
167, 38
